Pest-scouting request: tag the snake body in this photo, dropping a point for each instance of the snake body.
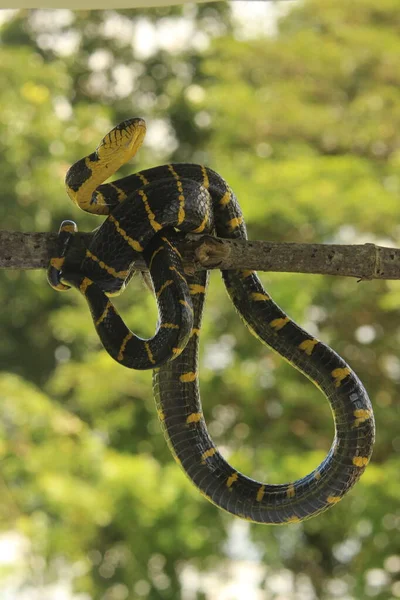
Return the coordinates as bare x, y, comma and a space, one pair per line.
144, 211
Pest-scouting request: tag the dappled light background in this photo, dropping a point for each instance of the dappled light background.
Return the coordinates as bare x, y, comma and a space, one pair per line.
298, 106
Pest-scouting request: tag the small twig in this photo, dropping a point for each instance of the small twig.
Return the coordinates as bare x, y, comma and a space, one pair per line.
367, 261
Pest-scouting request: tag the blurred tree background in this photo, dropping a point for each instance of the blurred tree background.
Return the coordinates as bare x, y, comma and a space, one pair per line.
303, 121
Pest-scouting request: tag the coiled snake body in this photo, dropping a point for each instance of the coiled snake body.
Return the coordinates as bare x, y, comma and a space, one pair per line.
144, 212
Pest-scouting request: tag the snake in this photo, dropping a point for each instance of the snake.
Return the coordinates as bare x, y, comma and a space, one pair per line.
147, 214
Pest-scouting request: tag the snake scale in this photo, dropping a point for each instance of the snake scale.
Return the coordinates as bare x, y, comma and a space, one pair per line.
147, 214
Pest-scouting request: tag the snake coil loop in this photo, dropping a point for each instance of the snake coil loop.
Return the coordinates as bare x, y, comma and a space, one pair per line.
144, 210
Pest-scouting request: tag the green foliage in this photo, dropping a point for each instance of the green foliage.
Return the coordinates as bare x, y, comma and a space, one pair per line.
305, 127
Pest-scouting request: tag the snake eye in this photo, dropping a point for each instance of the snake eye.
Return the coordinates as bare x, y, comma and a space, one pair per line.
132, 125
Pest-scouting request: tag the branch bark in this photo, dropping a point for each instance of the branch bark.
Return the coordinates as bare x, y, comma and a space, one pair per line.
20, 250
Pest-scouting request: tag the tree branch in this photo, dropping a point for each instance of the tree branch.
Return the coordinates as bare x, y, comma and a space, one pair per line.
91, 4
367, 261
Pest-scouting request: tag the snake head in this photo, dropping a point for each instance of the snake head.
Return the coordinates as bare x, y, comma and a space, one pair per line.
123, 141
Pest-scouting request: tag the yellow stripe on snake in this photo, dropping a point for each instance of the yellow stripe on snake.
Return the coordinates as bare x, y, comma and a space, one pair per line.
148, 214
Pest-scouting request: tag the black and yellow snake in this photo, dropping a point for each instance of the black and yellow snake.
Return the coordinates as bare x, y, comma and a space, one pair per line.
146, 214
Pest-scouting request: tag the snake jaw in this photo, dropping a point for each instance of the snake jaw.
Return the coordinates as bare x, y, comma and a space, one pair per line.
134, 130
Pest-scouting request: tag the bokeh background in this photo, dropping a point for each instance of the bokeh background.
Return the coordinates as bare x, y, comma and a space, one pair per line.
297, 105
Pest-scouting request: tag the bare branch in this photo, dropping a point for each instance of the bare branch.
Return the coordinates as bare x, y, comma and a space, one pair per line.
33, 250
